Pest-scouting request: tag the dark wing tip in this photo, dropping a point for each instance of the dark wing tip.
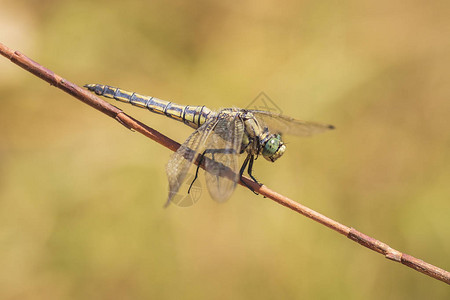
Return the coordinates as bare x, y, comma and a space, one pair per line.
331, 127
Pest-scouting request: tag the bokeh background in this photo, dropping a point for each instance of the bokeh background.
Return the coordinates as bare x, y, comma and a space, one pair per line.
81, 197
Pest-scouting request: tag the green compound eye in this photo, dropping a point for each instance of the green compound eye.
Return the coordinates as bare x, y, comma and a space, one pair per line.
273, 148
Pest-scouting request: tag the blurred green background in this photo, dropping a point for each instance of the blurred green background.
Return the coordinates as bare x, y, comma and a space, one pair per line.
81, 197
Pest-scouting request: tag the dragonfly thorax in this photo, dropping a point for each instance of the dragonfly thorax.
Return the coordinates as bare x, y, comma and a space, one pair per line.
273, 148
258, 139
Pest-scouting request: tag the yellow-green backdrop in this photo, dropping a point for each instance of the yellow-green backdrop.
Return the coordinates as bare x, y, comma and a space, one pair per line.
81, 197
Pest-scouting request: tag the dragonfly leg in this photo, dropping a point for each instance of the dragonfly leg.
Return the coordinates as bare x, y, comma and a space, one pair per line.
250, 169
202, 156
196, 171
241, 172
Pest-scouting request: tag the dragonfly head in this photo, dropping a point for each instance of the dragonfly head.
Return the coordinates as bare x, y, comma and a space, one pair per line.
273, 148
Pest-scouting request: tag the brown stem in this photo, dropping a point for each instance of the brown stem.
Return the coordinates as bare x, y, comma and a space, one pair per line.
116, 113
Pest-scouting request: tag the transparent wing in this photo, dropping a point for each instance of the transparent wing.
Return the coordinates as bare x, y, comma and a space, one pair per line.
287, 125
181, 161
222, 157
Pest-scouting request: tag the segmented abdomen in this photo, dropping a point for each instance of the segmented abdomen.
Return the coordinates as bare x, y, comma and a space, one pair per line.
193, 116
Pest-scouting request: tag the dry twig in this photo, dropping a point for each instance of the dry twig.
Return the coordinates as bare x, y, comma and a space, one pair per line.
116, 113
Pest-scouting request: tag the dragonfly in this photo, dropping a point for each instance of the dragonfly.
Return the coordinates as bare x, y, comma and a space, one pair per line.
218, 139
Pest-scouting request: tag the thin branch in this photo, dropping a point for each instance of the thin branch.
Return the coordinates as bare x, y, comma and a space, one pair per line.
131, 123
